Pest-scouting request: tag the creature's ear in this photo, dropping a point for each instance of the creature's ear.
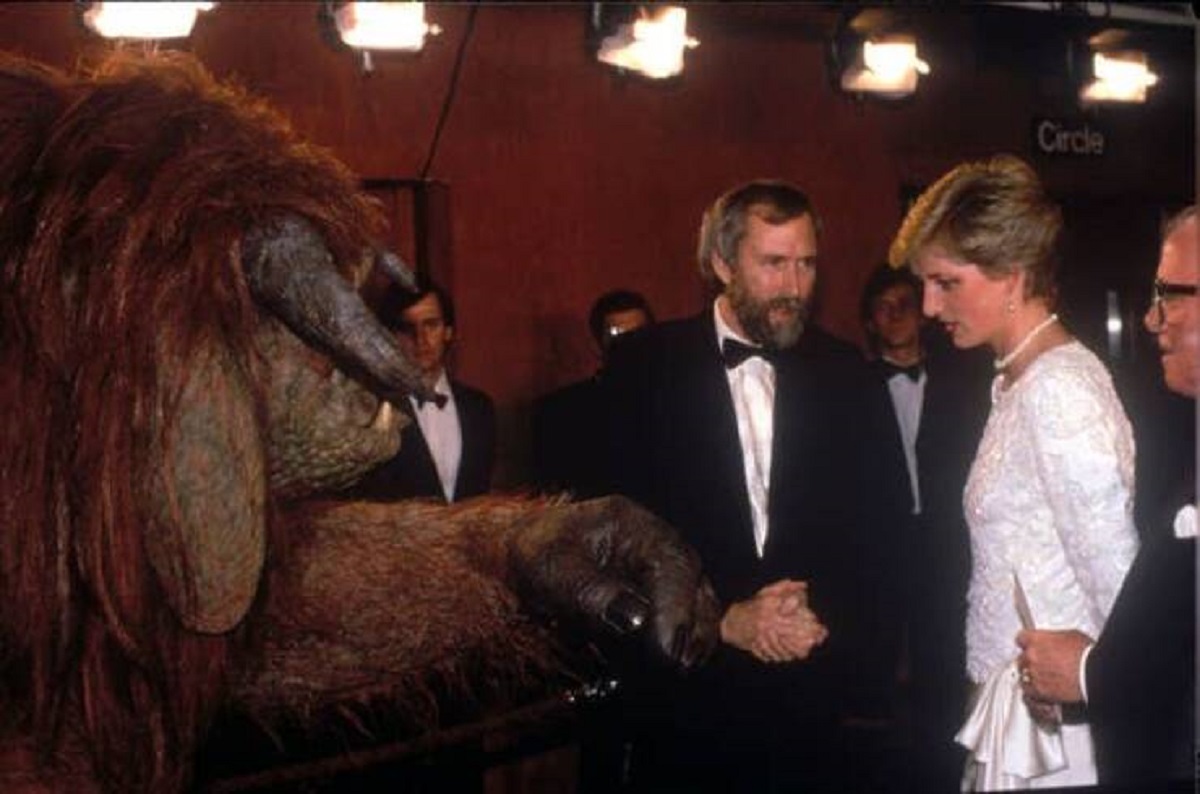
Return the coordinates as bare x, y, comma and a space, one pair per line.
207, 539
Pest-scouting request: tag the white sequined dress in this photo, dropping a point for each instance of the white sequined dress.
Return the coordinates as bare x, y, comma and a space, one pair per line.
1050, 500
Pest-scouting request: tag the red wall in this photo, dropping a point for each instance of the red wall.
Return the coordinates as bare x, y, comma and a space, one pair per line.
567, 179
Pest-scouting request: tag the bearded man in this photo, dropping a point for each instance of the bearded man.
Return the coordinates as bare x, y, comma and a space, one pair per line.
764, 440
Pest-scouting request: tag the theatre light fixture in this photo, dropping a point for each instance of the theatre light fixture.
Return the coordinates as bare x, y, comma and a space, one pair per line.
391, 26
142, 20
651, 42
874, 53
887, 66
1119, 76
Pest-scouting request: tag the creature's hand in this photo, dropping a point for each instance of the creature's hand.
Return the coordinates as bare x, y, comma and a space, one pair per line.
619, 565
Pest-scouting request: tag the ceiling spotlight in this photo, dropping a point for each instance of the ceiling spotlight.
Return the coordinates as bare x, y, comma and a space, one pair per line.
887, 66
1120, 76
652, 44
138, 20
395, 26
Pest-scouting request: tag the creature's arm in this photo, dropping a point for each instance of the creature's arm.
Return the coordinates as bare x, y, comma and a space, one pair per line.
379, 599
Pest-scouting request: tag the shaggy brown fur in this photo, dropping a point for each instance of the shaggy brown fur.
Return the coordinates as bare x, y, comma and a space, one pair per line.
364, 612
123, 196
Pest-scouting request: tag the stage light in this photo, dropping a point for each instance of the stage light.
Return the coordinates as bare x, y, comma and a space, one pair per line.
393, 26
887, 66
651, 45
1121, 76
142, 20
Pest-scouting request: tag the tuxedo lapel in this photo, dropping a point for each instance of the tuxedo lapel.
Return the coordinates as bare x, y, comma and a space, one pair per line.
468, 431
789, 442
424, 470
710, 397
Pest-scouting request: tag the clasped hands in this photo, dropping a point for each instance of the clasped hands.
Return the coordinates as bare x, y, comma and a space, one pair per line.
775, 625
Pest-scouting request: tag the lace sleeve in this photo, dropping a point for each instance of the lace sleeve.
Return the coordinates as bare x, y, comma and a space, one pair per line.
1084, 449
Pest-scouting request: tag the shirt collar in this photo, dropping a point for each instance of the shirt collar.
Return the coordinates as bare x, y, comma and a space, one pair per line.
440, 386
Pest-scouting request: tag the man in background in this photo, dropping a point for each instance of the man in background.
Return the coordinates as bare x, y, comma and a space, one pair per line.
1138, 678
939, 398
568, 424
447, 451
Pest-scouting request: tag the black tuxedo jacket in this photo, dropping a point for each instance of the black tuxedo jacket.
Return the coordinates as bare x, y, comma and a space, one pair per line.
926, 596
837, 485
412, 472
568, 439
954, 411
1141, 674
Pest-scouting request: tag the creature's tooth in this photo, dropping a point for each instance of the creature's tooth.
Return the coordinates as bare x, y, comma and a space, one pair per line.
383, 417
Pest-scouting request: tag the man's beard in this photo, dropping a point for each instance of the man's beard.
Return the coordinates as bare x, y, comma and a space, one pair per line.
755, 317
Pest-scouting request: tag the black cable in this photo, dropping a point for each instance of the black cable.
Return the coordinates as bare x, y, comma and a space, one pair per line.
451, 90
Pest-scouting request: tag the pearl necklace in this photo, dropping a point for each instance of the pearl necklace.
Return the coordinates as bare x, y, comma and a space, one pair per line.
1011, 356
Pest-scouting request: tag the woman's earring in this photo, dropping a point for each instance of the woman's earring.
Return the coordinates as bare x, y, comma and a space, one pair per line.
1010, 307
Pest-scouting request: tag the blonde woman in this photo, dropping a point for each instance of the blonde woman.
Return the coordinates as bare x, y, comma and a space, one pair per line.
1049, 497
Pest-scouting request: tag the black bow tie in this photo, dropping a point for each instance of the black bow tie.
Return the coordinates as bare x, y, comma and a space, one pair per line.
437, 399
890, 370
735, 352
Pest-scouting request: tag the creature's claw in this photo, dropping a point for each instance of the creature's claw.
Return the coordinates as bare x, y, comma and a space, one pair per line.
622, 568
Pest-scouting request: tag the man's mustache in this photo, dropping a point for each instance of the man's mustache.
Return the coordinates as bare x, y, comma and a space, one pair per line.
794, 305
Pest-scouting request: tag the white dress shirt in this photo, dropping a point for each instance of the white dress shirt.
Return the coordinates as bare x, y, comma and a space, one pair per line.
907, 398
752, 388
443, 434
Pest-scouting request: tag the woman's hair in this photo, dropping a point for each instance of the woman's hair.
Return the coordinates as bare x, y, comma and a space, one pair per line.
993, 214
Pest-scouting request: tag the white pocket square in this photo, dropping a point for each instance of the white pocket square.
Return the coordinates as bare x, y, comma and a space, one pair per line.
1185, 523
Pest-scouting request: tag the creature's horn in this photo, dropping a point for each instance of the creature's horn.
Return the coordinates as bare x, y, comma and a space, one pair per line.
291, 273
396, 269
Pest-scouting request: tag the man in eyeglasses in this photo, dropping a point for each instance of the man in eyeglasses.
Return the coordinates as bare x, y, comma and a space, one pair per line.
1138, 678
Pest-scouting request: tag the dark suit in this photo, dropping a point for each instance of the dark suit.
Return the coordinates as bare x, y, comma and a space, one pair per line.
412, 472
568, 439
738, 723
935, 564
1141, 674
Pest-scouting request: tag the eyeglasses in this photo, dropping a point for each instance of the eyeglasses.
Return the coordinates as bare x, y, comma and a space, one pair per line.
1162, 291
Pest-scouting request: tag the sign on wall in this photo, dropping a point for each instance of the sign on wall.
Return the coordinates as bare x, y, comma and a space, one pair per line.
1068, 137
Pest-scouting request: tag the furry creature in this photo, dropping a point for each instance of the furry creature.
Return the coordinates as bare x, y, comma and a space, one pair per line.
184, 363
